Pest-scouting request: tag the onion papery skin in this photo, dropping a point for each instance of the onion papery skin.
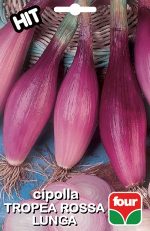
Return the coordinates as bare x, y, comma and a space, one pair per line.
142, 51
23, 222
122, 114
13, 51
86, 222
89, 187
92, 187
31, 101
75, 114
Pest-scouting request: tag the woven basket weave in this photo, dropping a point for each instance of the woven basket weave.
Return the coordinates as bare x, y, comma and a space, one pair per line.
51, 20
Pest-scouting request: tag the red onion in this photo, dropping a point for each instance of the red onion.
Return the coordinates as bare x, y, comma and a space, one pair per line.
31, 101
142, 48
76, 106
23, 222
122, 114
86, 222
14, 47
91, 187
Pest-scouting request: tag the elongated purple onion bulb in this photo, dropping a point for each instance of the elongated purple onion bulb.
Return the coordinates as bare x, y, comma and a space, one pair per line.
75, 114
122, 113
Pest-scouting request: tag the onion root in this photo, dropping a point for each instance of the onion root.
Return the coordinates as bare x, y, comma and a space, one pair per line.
144, 192
12, 176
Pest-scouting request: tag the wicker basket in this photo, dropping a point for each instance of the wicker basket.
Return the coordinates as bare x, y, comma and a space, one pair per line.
51, 20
